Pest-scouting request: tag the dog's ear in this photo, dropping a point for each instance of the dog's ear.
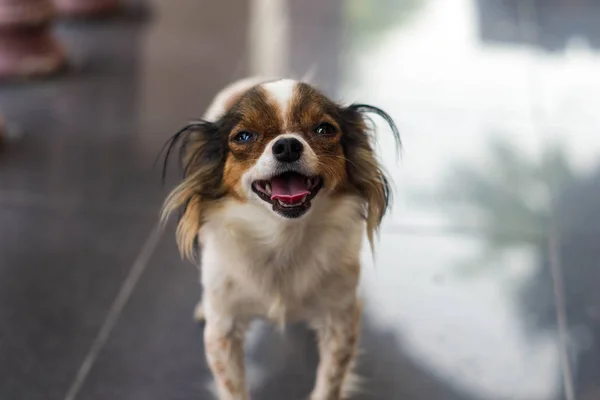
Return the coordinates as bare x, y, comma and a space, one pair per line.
202, 154
365, 172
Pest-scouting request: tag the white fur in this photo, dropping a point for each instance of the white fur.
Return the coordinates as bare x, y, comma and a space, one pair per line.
250, 245
282, 91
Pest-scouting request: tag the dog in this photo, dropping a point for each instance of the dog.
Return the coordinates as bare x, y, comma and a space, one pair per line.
280, 185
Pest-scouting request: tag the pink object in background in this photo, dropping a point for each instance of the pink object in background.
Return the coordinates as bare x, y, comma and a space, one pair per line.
29, 53
27, 47
17, 13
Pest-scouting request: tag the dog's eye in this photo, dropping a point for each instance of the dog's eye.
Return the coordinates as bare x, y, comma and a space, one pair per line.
243, 137
325, 129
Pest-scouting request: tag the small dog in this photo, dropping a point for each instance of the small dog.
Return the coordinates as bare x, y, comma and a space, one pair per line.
279, 185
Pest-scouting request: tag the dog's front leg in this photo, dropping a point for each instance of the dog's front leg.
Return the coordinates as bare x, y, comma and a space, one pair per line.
224, 344
338, 336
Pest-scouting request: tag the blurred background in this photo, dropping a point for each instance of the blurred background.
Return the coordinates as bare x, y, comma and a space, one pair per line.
485, 282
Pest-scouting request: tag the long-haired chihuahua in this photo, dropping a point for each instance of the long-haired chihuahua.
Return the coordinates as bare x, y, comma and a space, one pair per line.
280, 185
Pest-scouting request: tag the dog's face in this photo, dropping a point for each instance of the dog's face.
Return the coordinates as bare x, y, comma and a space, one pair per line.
285, 148
280, 145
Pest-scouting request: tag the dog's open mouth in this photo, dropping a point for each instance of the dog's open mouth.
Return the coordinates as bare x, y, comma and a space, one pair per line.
289, 193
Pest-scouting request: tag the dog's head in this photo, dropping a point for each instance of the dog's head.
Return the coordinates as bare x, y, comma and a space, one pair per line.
281, 145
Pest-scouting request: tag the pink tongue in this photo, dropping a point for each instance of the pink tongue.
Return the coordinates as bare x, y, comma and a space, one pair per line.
289, 189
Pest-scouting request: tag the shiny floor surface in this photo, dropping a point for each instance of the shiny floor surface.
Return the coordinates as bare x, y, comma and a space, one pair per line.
486, 278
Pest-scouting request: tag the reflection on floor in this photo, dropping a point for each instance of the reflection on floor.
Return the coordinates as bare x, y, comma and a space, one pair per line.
485, 282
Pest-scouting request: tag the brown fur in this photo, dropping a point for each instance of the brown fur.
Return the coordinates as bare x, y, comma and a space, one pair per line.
202, 157
256, 114
309, 108
366, 175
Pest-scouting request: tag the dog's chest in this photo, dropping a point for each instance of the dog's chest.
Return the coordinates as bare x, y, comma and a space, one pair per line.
286, 262
281, 271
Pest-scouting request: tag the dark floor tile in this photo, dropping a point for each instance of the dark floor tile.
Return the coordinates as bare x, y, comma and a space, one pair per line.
575, 251
571, 289
59, 273
156, 349
549, 25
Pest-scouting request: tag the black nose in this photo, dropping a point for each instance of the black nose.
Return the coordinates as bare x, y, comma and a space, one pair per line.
287, 150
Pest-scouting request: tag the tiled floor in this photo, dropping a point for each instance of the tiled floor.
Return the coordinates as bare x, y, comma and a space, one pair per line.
496, 221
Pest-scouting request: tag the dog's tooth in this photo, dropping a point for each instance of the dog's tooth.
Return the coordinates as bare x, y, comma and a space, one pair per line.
268, 188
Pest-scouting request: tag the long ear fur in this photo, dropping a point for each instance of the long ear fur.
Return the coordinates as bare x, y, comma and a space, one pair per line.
202, 155
365, 172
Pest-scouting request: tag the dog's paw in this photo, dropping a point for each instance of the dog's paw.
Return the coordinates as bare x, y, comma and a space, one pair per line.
199, 312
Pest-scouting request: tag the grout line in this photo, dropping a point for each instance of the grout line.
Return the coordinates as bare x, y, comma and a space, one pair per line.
561, 313
138, 268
